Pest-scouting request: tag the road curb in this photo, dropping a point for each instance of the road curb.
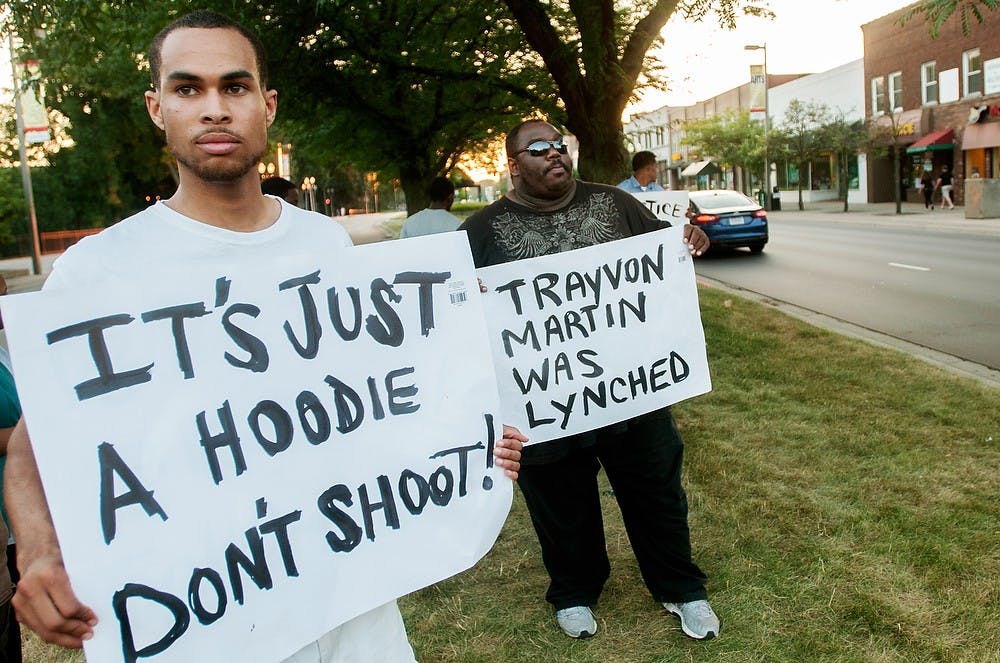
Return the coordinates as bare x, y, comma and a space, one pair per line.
951, 363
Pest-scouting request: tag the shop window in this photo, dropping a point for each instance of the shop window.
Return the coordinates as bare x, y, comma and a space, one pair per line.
972, 73
878, 96
821, 174
896, 91
853, 179
928, 83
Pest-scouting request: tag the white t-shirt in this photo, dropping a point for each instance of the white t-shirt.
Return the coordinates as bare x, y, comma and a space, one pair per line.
157, 237
429, 221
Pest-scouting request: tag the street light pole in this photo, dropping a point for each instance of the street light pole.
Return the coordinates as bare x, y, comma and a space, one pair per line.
766, 182
29, 193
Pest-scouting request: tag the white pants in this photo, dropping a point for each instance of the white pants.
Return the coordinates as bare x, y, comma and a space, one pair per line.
946, 195
378, 635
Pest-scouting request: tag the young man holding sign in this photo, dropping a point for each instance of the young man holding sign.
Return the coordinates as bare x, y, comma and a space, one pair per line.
549, 212
211, 99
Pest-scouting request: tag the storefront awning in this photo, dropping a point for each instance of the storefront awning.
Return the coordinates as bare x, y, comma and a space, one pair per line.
978, 136
699, 168
935, 140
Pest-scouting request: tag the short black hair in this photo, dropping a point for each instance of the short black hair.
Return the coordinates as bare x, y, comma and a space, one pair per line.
514, 134
277, 186
440, 189
205, 19
642, 159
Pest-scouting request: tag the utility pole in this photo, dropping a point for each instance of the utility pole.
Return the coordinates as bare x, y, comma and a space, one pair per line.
29, 195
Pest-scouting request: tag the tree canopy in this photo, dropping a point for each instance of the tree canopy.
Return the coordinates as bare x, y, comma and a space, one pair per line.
402, 88
936, 12
596, 51
730, 138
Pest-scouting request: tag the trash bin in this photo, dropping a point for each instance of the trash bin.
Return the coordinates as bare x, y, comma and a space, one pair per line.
776, 200
762, 198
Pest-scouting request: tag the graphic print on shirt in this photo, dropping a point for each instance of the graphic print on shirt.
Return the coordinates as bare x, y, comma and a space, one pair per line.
590, 222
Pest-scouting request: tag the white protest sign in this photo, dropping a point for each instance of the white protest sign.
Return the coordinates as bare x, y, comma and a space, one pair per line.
669, 206
240, 455
591, 337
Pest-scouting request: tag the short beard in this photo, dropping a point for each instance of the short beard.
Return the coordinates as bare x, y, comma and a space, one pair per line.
223, 173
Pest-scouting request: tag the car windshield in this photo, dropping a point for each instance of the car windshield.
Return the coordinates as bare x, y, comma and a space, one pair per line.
721, 199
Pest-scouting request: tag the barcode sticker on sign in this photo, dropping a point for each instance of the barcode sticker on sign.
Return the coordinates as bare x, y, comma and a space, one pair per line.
458, 293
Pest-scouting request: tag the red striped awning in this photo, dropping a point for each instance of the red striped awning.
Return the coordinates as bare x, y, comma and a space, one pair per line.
935, 140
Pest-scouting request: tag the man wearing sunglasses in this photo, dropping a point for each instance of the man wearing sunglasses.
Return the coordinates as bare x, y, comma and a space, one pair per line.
548, 212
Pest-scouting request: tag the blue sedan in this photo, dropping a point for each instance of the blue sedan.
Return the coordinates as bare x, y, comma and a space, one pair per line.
729, 218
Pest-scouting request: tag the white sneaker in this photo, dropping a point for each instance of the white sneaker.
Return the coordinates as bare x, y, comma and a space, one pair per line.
698, 620
577, 622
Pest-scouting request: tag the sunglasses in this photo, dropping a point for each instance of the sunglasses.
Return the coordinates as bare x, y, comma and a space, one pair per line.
540, 148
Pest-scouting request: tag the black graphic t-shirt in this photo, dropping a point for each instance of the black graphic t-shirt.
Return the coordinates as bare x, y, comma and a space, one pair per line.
505, 232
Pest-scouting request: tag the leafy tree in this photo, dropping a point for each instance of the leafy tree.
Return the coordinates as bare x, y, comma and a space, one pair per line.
402, 88
803, 138
845, 139
936, 12
597, 51
12, 211
89, 54
730, 138
883, 134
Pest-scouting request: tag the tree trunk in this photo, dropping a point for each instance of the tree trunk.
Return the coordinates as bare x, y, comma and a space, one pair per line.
897, 193
844, 171
798, 186
603, 157
415, 184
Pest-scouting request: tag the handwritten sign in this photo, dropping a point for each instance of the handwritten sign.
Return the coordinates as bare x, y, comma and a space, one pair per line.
239, 457
591, 337
669, 206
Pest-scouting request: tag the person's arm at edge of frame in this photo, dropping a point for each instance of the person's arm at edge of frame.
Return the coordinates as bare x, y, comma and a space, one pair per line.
507, 451
44, 601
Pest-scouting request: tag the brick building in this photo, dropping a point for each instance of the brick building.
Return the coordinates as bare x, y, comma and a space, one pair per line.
662, 132
940, 96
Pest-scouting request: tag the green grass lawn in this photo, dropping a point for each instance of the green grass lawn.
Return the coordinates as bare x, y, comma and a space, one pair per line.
844, 502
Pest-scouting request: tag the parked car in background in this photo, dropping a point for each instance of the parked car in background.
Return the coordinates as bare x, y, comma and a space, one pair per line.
729, 218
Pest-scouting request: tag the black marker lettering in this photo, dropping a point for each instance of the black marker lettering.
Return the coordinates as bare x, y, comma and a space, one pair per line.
258, 359
227, 438
310, 315
111, 464
107, 379
177, 315
425, 293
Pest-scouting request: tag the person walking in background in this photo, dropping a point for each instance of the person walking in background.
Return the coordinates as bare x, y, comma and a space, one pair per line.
643, 174
927, 188
436, 218
548, 212
280, 188
944, 182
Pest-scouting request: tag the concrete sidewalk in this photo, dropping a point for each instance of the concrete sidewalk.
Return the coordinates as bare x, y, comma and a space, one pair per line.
913, 216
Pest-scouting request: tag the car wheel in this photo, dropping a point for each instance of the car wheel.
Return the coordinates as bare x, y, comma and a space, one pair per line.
757, 247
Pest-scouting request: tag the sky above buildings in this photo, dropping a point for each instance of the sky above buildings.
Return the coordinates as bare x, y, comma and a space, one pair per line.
806, 36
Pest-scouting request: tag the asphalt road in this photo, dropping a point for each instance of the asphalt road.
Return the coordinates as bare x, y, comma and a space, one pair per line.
930, 286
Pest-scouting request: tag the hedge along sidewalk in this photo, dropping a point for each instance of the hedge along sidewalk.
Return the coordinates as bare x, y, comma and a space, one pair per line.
843, 500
